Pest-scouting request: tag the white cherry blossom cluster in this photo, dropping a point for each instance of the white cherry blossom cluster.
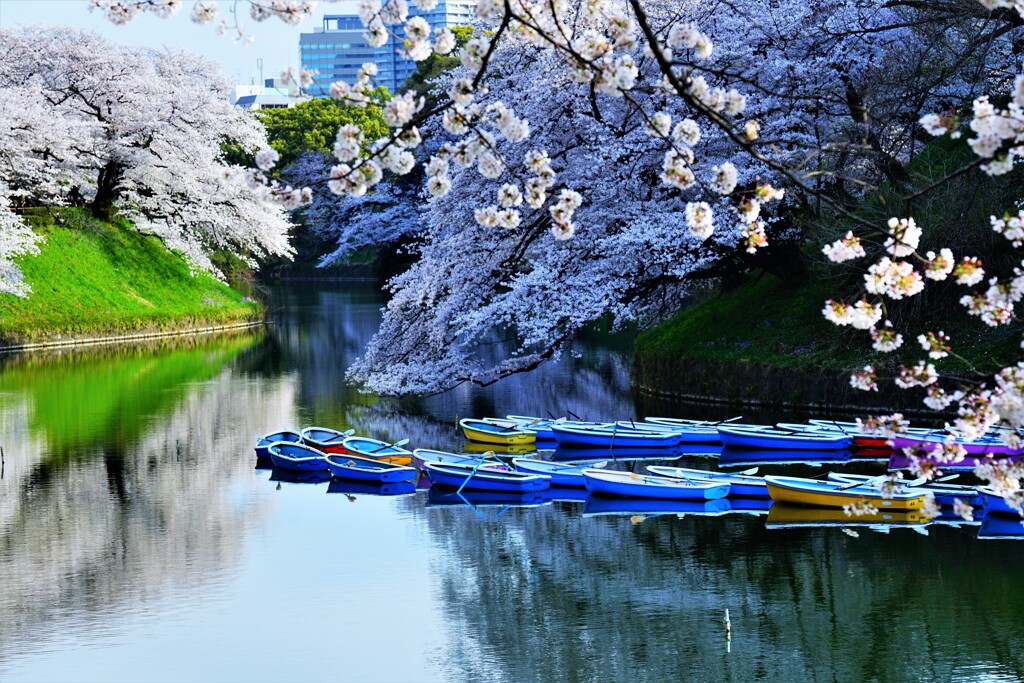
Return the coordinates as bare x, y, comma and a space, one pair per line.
844, 249
935, 343
562, 212
883, 425
920, 375
700, 219
865, 380
1010, 227
862, 315
358, 94
885, 338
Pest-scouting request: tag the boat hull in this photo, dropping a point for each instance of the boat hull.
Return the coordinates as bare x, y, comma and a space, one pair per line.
453, 476
296, 457
740, 486
356, 468
485, 432
977, 449
377, 450
816, 493
630, 485
561, 474
612, 438
263, 443
769, 439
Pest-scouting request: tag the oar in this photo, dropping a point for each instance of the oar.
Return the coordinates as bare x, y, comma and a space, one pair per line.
470, 475
705, 423
344, 435
865, 482
397, 444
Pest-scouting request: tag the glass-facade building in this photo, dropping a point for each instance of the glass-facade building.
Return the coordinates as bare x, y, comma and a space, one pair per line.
337, 49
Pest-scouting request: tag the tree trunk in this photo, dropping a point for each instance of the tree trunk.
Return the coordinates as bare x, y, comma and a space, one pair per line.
107, 190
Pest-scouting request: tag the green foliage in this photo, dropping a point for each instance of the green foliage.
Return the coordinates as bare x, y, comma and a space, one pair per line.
95, 277
435, 65
89, 396
312, 126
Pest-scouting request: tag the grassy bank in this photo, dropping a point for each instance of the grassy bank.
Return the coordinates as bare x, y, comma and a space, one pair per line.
768, 342
95, 278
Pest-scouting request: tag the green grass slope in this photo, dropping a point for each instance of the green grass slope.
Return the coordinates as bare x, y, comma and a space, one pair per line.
93, 278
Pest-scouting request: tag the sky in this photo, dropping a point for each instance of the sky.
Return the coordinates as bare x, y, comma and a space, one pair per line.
275, 42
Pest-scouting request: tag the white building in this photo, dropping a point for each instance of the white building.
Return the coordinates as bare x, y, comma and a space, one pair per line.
273, 94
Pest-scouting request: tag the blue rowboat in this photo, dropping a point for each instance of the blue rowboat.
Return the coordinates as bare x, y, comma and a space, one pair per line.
324, 439
439, 497
616, 453
1009, 527
358, 468
994, 503
424, 455
745, 437
483, 479
741, 485
379, 450
596, 505
367, 488
296, 457
631, 485
562, 474
945, 494
263, 442
688, 433
743, 457
612, 436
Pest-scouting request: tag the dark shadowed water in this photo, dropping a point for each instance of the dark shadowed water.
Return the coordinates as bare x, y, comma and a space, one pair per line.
139, 543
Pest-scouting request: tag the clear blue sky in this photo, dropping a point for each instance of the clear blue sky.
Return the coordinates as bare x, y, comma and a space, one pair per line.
276, 42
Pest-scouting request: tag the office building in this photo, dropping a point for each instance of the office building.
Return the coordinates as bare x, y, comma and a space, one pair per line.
337, 49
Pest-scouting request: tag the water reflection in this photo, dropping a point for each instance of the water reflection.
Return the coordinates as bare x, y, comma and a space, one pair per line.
138, 541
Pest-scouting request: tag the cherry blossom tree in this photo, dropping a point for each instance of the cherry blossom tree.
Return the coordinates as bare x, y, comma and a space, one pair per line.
139, 133
826, 101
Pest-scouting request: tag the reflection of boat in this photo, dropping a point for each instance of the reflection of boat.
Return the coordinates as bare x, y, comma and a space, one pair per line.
568, 494
872, 453
325, 439
378, 450
605, 453
782, 516
632, 485
358, 468
561, 474
296, 457
698, 450
299, 477
997, 525
437, 497
511, 449
741, 485
487, 432
365, 488
476, 478
945, 494
777, 439
263, 442
738, 457
612, 436
753, 506
815, 492
607, 505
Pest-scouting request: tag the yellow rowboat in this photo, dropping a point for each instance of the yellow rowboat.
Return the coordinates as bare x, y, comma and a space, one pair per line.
782, 516
486, 432
798, 491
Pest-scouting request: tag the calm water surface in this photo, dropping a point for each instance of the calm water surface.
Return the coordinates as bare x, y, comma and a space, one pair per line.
139, 543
